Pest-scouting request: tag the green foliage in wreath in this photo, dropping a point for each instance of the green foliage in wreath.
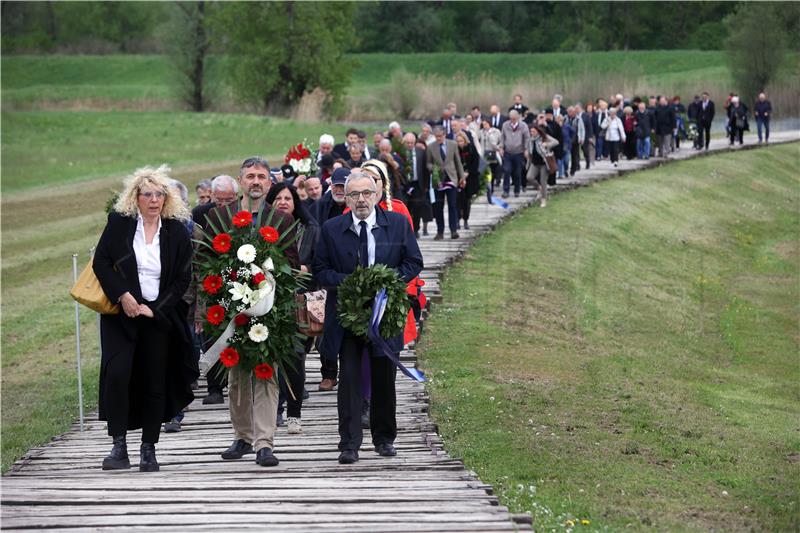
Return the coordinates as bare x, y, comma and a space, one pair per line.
356, 295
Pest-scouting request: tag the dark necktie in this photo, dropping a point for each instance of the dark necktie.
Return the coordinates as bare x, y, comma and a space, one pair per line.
442, 152
363, 247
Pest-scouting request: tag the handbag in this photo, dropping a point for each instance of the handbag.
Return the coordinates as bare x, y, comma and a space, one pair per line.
87, 291
310, 312
552, 166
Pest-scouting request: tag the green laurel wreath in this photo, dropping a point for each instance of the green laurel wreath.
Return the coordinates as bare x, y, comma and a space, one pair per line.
356, 295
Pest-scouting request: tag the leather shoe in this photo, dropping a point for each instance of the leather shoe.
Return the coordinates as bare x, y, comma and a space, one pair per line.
454, 235
438, 237
147, 461
118, 458
237, 449
213, 397
386, 449
466, 225
327, 384
348, 457
264, 457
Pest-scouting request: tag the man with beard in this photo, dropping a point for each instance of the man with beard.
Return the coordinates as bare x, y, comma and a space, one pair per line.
253, 403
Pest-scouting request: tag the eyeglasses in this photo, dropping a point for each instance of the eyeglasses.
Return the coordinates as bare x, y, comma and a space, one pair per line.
158, 195
355, 194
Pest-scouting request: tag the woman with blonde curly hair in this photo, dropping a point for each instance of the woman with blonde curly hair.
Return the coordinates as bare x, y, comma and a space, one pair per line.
143, 262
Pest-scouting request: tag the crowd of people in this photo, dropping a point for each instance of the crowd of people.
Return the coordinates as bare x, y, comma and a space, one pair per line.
362, 204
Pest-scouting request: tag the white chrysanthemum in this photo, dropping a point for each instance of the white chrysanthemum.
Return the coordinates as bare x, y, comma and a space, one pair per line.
258, 333
304, 166
246, 253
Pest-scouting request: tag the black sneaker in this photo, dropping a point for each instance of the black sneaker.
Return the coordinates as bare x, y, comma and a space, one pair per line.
173, 426
213, 397
237, 450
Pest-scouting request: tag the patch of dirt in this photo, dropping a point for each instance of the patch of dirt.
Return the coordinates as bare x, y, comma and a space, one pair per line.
788, 250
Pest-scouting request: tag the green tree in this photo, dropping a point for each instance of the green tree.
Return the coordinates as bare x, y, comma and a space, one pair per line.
278, 51
188, 42
756, 46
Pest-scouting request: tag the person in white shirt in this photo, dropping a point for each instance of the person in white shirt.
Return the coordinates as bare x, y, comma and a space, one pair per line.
615, 134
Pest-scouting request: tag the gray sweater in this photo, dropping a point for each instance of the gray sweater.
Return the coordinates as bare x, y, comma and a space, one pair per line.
514, 141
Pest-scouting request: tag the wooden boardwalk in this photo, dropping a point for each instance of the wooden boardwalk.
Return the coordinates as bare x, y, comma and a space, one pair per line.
60, 486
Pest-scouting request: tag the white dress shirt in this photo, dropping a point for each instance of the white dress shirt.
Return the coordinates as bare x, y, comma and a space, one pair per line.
372, 223
148, 260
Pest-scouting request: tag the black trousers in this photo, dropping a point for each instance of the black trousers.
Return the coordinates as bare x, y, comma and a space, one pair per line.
613, 147
296, 379
705, 135
452, 209
383, 404
464, 205
330, 367
147, 361
575, 159
737, 134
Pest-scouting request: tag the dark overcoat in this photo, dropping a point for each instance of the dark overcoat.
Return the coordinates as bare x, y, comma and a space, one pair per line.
337, 256
115, 268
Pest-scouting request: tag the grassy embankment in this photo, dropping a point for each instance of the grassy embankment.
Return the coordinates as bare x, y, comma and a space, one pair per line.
629, 355
144, 82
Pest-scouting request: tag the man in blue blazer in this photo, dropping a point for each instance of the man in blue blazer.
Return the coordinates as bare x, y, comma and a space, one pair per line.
365, 236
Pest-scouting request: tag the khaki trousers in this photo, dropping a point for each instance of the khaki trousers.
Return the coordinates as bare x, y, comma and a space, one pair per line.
253, 406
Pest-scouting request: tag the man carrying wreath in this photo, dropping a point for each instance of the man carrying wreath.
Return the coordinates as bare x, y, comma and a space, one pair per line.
366, 236
253, 402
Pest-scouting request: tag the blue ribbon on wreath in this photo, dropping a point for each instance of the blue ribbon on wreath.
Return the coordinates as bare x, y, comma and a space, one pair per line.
374, 335
497, 201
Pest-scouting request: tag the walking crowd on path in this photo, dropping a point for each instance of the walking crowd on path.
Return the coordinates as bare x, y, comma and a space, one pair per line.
281, 245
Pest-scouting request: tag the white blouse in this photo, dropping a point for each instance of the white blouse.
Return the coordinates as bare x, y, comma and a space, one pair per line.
148, 260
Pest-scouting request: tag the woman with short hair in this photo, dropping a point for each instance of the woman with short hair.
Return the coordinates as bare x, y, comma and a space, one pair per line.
143, 262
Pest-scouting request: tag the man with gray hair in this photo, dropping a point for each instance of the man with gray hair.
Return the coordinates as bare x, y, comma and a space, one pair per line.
326, 143
224, 191
395, 130
513, 150
366, 236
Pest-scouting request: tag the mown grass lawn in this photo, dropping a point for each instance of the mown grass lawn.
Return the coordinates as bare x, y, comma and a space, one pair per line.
629, 355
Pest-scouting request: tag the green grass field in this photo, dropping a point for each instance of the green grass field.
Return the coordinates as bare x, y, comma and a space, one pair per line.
629, 355
124, 80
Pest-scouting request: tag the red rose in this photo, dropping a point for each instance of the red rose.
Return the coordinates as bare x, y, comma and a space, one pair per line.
263, 371
215, 314
241, 319
229, 357
242, 219
269, 234
258, 278
222, 243
212, 284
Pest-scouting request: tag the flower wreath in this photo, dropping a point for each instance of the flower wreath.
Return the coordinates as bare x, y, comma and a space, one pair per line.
248, 285
357, 293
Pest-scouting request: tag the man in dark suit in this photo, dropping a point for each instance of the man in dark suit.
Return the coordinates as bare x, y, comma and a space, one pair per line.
705, 117
443, 154
496, 119
419, 181
518, 106
588, 129
365, 236
342, 150
446, 123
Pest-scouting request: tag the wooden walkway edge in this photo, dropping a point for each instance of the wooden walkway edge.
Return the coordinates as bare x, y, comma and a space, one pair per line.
61, 487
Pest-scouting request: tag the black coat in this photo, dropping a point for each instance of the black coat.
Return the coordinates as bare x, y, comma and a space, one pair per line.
665, 120
419, 201
326, 208
554, 131
705, 116
116, 269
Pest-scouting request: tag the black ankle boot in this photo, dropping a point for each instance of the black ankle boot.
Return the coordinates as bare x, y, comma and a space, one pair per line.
147, 461
118, 458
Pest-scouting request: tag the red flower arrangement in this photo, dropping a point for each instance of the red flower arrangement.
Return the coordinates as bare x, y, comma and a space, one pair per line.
242, 219
269, 234
212, 284
263, 371
215, 314
300, 159
222, 243
235, 280
229, 357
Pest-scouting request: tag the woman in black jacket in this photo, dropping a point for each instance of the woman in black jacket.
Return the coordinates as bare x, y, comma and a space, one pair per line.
284, 199
737, 120
471, 185
143, 261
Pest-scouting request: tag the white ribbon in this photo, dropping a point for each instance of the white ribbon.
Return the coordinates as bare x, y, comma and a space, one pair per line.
260, 308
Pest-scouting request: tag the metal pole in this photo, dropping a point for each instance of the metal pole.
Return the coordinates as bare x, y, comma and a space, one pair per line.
78, 340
